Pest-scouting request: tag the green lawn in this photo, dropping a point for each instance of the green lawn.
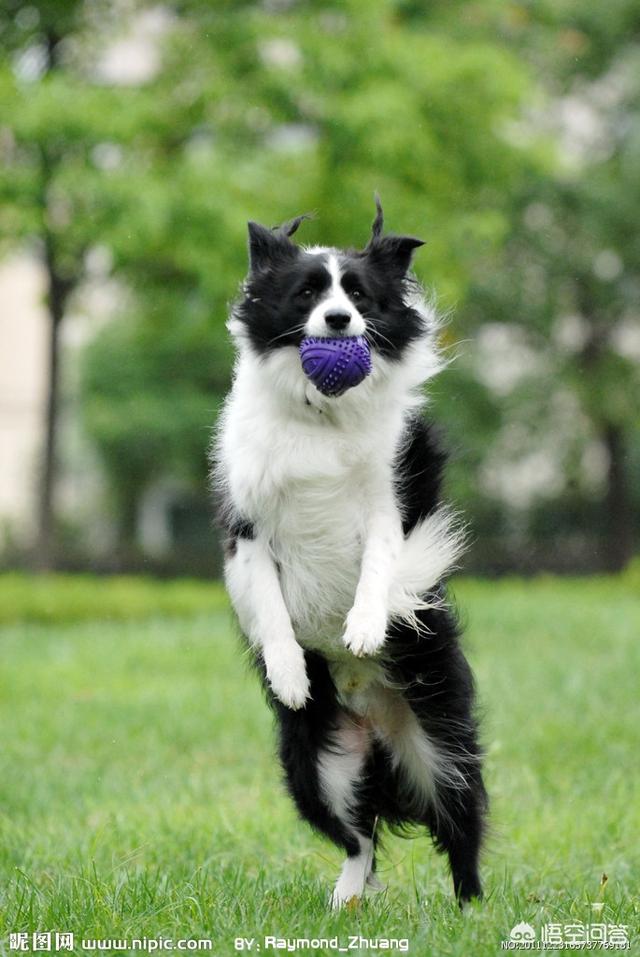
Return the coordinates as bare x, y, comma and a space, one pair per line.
139, 797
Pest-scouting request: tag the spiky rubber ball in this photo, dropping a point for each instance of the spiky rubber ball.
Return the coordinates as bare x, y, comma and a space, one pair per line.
335, 365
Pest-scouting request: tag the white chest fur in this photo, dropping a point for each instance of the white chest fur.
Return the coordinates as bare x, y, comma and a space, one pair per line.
303, 473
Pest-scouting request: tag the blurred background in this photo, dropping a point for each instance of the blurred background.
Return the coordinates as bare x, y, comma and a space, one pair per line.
137, 138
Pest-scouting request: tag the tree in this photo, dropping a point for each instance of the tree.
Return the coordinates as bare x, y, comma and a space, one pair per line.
451, 113
569, 277
274, 114
55, 117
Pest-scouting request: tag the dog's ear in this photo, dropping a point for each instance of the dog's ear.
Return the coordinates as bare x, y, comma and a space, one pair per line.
391, 252
378, 224
290, 227
267, 246
394, 253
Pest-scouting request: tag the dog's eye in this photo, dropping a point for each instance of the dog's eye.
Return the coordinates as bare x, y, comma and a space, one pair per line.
356, 294
306, 293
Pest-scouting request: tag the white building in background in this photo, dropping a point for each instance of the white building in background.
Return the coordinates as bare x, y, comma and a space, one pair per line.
81, 499
23, 360
80, 496
128, 57
24, 343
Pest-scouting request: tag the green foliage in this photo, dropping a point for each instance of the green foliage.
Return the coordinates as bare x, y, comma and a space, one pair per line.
417, 118
51, 181
377, 104
152, 395
455, 114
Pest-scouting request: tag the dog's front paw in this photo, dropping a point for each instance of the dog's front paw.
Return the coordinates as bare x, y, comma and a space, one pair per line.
365, 631
287, 675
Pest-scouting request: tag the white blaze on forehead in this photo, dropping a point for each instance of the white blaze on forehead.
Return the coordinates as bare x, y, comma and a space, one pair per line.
333, 268
332, 265
317, 250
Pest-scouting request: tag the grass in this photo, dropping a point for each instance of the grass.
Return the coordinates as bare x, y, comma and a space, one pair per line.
138, 795
52, 599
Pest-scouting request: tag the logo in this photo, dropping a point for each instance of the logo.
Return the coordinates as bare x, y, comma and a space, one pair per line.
522, 932
573, 936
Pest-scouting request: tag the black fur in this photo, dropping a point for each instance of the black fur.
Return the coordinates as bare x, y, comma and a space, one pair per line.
418, 472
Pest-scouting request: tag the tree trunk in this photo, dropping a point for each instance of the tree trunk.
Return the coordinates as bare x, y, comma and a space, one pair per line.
618, 533
618, 537
127, 526
44, 555
58, 292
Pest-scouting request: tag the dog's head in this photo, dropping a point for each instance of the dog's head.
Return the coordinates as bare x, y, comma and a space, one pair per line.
293, 291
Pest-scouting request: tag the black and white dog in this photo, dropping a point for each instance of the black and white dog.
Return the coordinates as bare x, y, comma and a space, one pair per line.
337, 544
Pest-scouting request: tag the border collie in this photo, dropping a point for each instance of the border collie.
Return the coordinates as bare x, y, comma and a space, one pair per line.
337, 544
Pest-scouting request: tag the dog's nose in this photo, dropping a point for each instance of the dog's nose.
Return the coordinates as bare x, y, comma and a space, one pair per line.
337, 319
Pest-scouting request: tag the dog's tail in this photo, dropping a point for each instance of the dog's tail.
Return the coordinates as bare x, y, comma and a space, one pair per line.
429, 552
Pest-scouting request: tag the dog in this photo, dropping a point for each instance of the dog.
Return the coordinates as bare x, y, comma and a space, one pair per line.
337, 545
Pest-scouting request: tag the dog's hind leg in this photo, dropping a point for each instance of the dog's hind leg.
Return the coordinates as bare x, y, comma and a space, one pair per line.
356, 873
324, 751
442, 739
457, 825
427, 780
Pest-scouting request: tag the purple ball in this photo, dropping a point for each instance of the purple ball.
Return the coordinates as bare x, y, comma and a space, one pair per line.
335, 365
